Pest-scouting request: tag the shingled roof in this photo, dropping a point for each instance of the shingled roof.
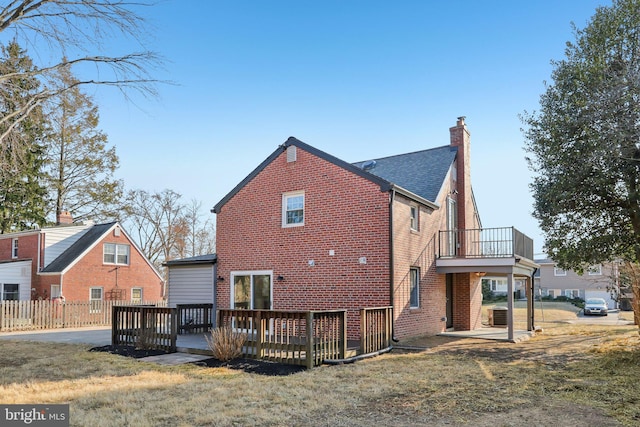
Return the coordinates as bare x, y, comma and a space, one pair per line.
421, 172
74, 251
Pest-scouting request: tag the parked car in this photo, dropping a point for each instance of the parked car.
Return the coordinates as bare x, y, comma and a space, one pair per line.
595, 306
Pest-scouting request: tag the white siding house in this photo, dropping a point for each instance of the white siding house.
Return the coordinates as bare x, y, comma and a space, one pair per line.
15, 280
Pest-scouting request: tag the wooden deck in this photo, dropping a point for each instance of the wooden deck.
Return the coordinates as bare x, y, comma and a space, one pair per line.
307, 338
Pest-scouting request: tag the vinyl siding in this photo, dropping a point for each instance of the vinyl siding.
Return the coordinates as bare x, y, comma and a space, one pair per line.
17, 272
191, 284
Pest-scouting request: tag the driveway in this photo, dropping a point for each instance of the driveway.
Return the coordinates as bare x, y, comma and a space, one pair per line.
96, 336
612, 319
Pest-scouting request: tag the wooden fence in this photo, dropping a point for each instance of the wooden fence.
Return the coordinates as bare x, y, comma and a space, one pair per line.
145, 327
46, 314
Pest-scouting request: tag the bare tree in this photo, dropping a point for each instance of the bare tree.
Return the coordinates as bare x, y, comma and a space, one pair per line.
200, 239
155, 221
75, 29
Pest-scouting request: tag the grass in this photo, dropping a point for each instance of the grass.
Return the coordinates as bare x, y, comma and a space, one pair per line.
569, 375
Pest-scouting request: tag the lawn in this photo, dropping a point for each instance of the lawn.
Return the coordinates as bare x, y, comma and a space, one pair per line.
569, 375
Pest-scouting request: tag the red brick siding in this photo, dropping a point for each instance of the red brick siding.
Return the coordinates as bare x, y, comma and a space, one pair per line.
343, 212
417, 249
90, 271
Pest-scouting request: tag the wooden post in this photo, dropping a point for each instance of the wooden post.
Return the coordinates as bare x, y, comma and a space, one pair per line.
260, 334
510, 306
363, 330
343, 347
310, 339
114, 324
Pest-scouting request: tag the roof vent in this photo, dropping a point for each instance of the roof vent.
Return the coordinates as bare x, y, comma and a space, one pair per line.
292, 153
368, 165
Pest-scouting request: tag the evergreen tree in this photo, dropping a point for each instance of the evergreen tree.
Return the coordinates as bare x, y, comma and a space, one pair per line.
22, 195
79, 162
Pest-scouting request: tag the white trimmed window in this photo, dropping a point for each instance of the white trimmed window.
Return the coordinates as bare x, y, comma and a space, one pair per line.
116, 254
96, 295
414, 284
293, 209
595, 270
554, 293
14, 248
414, 217
10, 292
55, 291
557, 271
136, 295
572, 293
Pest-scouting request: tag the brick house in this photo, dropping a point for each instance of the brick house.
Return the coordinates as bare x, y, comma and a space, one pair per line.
80, 262
308, 231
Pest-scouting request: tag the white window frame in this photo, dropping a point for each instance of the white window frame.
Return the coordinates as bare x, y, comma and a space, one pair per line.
555, 293
14, 248
118, 249
414, 283
572, 293
285, 199
595, 270
414, 217
95, 304
134, 299
251, 273
4, 290
56, 291
557, 271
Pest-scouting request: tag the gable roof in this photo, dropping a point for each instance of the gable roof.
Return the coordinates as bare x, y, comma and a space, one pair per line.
421, 172
66, 258
85, 243
443, 162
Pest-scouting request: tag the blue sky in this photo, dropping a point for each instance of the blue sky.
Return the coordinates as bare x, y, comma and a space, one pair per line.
357, 79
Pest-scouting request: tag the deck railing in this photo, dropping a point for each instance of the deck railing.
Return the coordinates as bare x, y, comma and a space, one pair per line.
294, 337
485, 243
376, 324
52, 314
145, 327
194, 318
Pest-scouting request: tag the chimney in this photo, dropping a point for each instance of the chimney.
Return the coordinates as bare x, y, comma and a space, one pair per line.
460, 138
64, 218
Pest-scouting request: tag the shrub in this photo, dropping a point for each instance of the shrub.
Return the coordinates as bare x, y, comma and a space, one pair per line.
225, 343
145, 339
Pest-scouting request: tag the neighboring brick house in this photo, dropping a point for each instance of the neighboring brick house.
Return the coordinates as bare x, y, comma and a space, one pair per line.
80, 262
308, 231
597, 281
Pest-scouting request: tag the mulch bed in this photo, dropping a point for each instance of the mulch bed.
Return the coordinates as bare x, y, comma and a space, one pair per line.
252, 366
128, 351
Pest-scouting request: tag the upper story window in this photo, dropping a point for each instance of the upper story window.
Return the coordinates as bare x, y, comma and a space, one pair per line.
116, 254
557, 271
414, 218
293, 209
14, 248
595, 270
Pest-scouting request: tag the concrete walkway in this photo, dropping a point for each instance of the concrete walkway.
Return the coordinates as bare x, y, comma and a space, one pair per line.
496, 334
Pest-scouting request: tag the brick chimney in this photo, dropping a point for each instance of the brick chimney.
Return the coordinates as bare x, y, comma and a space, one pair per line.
64, 218
460, 138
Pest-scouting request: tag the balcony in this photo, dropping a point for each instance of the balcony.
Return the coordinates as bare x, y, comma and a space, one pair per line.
485, 250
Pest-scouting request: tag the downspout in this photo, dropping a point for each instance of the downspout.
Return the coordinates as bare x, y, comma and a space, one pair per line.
533, 299
391, 264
